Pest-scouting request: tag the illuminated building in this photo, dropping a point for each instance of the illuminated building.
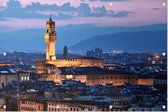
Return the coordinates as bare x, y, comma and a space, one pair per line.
146, 81
52, 69
153, 79
95, 75
50, 40
24, 76
77, 106
42, 105
118, 104
32, 105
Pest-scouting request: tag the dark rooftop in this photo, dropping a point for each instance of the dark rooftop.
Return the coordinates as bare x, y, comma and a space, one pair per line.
4, 70
89, 71
93, 58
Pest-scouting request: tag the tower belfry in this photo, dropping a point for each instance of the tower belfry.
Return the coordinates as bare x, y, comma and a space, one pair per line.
50, 39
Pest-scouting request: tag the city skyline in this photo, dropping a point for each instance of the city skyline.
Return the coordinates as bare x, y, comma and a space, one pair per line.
114, 55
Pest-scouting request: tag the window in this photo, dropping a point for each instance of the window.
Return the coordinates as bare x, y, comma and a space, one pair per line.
69, 76
28, 78
119, 102
3, 84
25, 78
22, 78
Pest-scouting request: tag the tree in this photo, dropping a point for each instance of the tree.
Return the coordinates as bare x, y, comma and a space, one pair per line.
65, 52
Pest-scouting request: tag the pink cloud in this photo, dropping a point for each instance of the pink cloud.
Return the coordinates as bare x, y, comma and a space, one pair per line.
143, 14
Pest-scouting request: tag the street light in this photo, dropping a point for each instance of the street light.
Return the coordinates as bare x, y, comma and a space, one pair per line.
163, 107
4, 107
149, 59
157, 56
164, 54
110, 107
4, 54
57, 108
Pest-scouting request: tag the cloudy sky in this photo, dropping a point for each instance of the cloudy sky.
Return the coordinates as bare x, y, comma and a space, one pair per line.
22, 14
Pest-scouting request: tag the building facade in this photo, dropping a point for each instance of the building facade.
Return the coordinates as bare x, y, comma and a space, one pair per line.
95, 75
7, 75
32, 105
50, 40
41, 105
120, 103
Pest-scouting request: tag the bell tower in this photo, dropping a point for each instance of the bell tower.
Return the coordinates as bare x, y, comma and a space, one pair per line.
50, 40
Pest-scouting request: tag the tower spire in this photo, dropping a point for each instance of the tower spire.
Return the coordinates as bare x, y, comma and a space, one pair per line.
50, 17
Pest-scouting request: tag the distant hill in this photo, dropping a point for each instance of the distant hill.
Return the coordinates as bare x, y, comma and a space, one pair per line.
32, 39
29, 39
143, 41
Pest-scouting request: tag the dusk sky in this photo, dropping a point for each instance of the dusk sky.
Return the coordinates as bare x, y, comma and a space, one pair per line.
21, 14
22, 22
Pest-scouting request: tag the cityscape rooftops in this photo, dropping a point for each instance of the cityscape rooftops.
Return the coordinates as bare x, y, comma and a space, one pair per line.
90, 71
4, 70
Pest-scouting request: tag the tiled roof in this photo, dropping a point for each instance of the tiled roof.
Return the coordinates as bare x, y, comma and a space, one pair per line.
4, 70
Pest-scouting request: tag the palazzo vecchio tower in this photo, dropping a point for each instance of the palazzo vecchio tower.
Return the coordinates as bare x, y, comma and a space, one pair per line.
50, 40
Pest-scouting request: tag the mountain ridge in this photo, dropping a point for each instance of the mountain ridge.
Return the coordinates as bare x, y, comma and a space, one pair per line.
126, 41
70, 35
